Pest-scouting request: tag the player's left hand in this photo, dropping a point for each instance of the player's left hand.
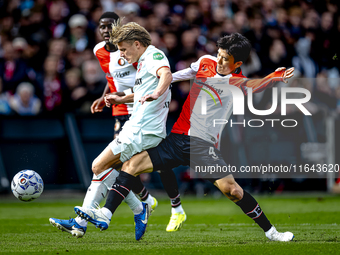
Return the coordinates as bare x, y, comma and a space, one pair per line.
289, 73
150, 97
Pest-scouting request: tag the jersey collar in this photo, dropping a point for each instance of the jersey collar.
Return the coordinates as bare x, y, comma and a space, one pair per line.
237, 71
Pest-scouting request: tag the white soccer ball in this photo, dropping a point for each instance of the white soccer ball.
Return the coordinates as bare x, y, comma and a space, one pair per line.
27, 185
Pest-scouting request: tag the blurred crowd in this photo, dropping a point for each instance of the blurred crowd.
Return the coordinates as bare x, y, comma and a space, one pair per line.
47, 64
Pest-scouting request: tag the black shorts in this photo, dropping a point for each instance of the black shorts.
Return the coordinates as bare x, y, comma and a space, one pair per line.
119, 123
178, 149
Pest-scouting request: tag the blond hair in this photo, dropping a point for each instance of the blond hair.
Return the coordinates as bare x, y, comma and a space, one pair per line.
129, 32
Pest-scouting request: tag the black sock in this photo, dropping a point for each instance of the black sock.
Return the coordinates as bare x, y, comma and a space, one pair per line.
120, 189
139, 189
249, 206
176, 201
171, 187
143, 195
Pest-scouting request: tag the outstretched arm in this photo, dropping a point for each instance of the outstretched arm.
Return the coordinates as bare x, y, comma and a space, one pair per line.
258, 85
183, 75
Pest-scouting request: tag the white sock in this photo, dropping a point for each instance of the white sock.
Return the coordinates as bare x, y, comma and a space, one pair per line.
97, 191
178, 209
106, 212
134, 203
80, 221
149, 200
270, 231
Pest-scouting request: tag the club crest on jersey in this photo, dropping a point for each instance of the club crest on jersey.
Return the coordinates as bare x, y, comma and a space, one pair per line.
121, 61
157, 56
140, 66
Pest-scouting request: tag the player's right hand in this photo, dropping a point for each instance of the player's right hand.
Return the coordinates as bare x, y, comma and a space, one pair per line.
111, 99
98, 105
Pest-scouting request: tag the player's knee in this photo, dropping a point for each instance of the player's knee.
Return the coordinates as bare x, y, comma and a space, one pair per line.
95, 167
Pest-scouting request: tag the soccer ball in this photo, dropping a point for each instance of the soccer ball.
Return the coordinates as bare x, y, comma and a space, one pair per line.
27, 185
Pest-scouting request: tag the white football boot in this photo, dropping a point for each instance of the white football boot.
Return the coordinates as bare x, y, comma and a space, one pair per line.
273, 235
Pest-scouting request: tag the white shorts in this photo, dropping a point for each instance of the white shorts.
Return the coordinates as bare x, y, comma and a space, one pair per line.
129, 143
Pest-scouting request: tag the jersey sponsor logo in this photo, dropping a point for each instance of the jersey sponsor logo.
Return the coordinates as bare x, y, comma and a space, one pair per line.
121, 75
217, 92
121, 61
138, 81
157, 56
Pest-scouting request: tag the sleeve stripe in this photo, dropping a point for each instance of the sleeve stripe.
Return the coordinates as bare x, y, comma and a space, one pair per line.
160, 68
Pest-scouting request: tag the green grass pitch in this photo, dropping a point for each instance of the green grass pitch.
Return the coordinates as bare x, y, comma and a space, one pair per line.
213, 226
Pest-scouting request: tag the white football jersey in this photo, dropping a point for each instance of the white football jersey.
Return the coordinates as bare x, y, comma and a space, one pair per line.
151, 116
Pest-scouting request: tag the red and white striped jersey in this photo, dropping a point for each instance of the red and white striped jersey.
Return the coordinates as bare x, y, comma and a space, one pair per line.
120, 75
210, 91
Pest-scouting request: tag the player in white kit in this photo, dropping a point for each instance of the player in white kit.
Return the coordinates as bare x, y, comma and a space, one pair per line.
120, 76
146, 127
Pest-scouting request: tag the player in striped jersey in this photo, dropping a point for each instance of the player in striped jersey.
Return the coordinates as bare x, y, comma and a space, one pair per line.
193, 137
120, 76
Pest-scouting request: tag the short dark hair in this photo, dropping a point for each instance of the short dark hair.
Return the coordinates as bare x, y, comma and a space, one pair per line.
109, 15
236, 45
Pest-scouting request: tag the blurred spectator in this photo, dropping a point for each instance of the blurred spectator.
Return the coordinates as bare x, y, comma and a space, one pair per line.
5, 109
58, 47
252, 65
50, 84
74, 90
94, 84
241, 22
188, 40
268, 11
295, 19
303, 62
323, 42
84, 6
192, 16
257, 35
57, 12
6, 28
323, 94
24, 102
80, 37
12, 68
276, 57
171, 50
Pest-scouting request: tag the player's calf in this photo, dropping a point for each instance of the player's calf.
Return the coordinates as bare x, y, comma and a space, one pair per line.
251, 208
